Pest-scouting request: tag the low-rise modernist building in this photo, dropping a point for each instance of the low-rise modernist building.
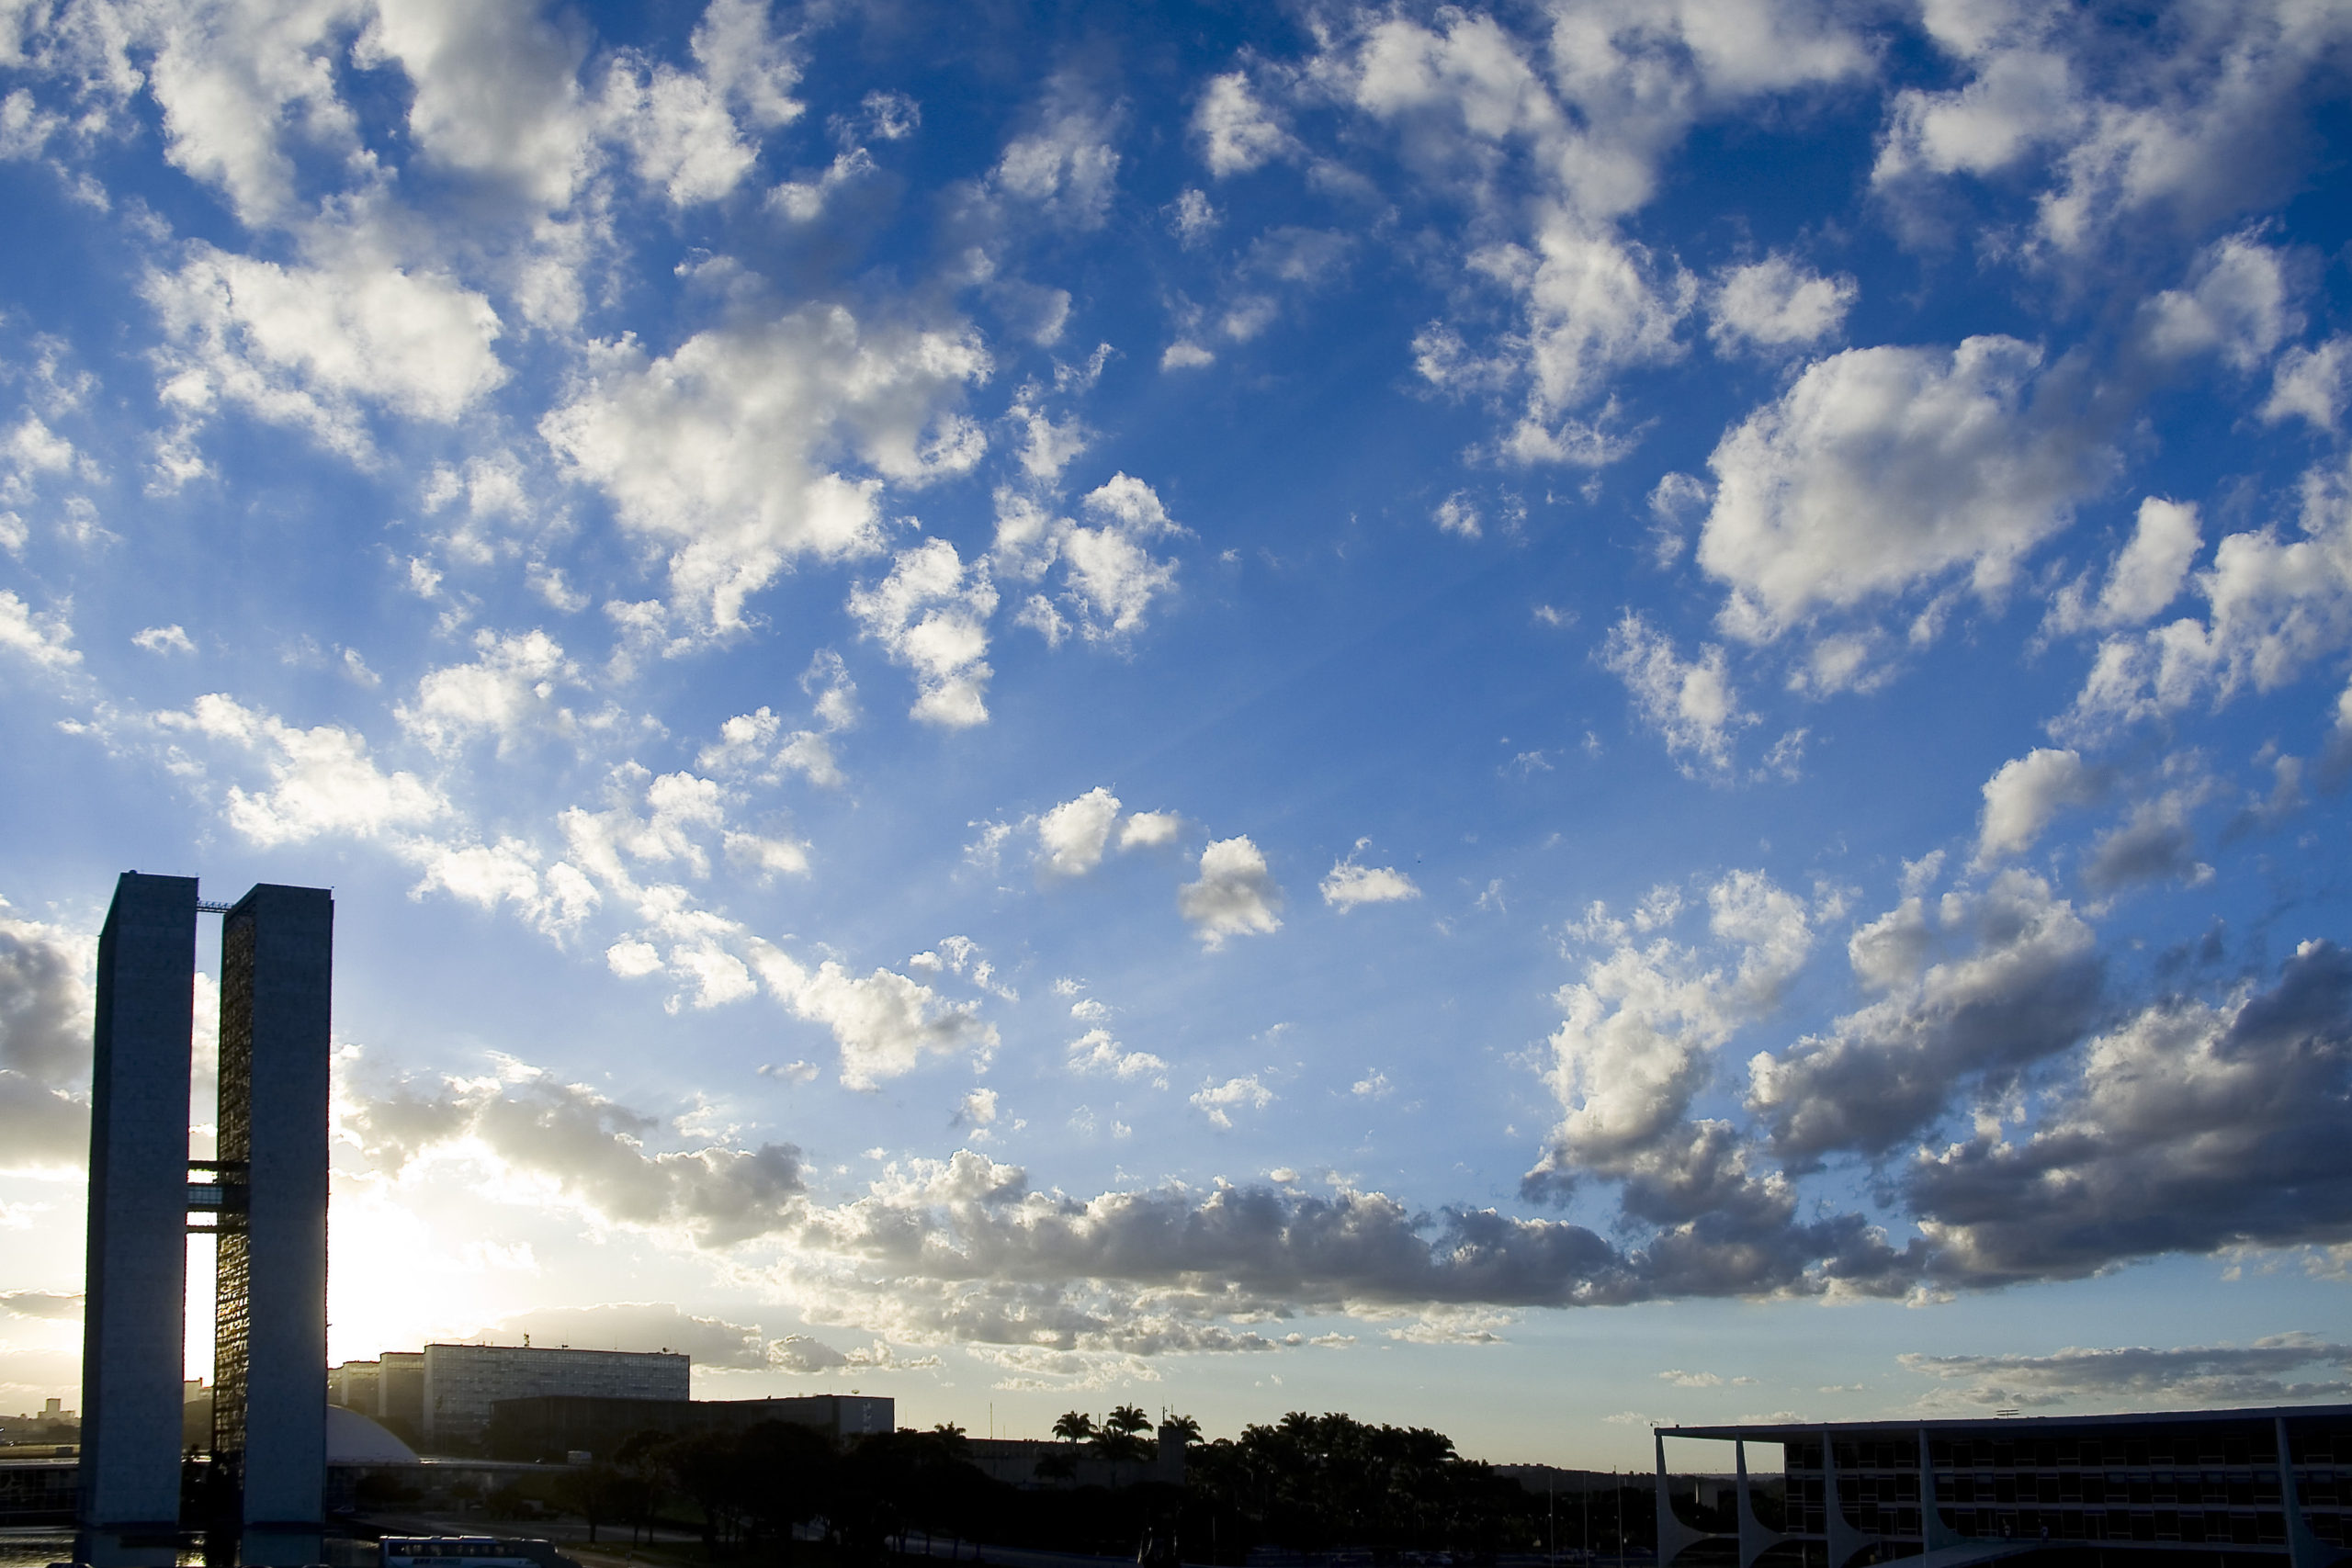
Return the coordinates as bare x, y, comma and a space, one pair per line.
2236, 1488
1042, 1465
553, 1425
353, 1385
389, 1391
462, 1382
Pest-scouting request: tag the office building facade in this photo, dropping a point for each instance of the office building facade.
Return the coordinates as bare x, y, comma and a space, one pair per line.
269, 1393
357, 1385
2233, 1488
135, 1281
463, 1382
263, 1198
389, 1391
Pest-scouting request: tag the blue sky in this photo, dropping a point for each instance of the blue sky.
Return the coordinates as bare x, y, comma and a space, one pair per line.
1523, 719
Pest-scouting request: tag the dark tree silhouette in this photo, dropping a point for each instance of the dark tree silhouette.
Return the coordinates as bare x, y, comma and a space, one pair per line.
1119, 1438
1309, 1482
645, 1480
597, 1492
786, 1474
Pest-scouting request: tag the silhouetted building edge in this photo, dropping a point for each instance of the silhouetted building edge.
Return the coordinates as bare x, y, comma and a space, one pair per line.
2243, 1486
549, 1426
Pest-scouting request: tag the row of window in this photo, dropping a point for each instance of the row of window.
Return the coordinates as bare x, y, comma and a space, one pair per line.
2165, 1487
2244, 1530
2242, 1445
2247, 1528
2237, 1488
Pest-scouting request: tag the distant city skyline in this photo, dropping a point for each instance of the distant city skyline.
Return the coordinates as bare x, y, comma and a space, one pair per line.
1520, 719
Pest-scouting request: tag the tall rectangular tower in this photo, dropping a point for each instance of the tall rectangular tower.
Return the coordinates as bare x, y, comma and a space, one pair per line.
136, 1285
270, 1399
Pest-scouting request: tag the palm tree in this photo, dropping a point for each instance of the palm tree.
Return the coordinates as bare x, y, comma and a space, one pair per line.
1120, 1439
1074, 1426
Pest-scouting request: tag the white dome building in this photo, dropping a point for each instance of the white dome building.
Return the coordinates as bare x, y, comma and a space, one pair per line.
352, 1440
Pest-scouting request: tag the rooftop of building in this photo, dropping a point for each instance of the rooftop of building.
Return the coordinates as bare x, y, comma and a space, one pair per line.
1759, 1430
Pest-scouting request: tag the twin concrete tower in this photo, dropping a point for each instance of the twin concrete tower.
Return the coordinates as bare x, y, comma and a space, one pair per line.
265, 1198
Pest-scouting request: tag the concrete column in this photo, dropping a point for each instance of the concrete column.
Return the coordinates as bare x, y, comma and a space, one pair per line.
1846, 1542
2305, 1547
277, 984
1756, 1538
1674, 1537
136, 1281
1934, 1534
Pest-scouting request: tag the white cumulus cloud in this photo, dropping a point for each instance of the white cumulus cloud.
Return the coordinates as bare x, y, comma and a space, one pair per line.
2025, 794
1235, 896
172, 639
2147, 575
1219, 1101
717, 450
1236, 132
1110, 579
1690, 702
505, 691
1096, 1052
931, 613
44, 636
1882, 469
309, 346
1149, 829
322, 780
884, 1024
1349, 884
1775, 303
1071, 837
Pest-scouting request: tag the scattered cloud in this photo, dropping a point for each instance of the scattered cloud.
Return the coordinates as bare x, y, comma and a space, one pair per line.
884, 1023
2189, 1376
1691, 703
1149, 829
1110, 579
1071, 837
1350, 885
1219, 1101
2273, 607
507, 691
1096, 1052
1974, 989
1236, 894
1236, 132
582, 1147
2025, 795
1881, 469
314, 346
1066, 170
1775, 304
2147, 574
45, 1024
322, 780
164, 639
715, 451
641, 1326
930, 613
44, 638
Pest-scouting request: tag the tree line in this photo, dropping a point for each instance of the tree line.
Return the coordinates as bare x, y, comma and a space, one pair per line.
1302, 1483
